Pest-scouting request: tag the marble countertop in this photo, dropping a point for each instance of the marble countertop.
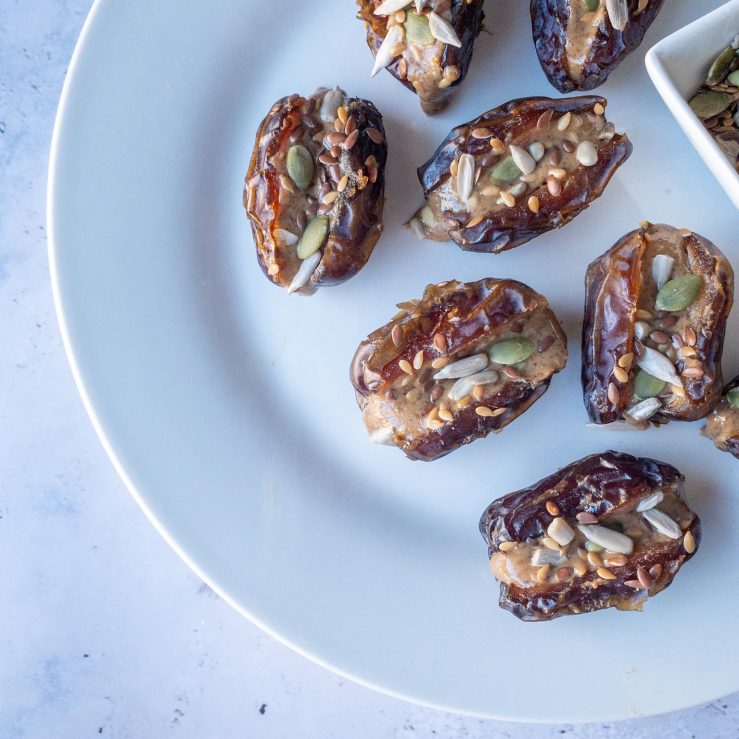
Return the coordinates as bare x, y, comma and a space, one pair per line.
104, 630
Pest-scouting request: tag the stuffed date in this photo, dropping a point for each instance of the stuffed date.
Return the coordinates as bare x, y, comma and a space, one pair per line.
465, 360
609, 530
314, 191
427, 44
656, 306
722, 426
518, 171
580, 42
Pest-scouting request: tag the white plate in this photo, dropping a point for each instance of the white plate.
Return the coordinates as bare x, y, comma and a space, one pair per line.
226, 407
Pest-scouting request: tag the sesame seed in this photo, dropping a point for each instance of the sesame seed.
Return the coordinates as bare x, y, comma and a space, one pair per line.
613, 395
397, 335
439, 342
689, 542
445, 414
558, 172
464, 402
484, 411
497, 146
633, 584
436, 425
554, 186
454, 168
690, 337
564, 121
506, 546
351, 139
605, 573
343, 182
375, 135
594, 559
440, 362
478, 393
481, 133
543, 573
687, 351
499, 412
563, 573
512, 373
620, 374
507, 199
329, 197
342, 113
598, 109
626, 361
534, 204
405, 365
696, 372
475, 221
549, 543
655, 571
616, 560
552, 508
418, 360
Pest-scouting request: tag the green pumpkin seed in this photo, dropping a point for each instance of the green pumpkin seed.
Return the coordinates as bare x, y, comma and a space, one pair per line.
679, 293
505, 171
512, 351
733, 78
300, 166
708, 104
590, 5
733, 397
592, 546
647, 386
417, 29
313, 237
721, 66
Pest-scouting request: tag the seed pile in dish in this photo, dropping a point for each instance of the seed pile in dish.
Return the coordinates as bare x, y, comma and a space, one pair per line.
518, 171
314, 191
609, 530
465, 360
717, 102
425, 44
656, 308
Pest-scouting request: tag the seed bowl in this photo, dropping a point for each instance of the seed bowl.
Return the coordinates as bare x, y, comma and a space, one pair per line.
678, 66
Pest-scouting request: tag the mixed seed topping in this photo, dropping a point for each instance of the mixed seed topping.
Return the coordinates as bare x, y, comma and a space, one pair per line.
667, 350
717, 102
532, 169
586, 18
319, 175
417, 32
595, 550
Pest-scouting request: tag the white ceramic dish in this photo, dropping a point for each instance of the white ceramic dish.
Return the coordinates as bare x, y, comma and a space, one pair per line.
225, 404
678, 65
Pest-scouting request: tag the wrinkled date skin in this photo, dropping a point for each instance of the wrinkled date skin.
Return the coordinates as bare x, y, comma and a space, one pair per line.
344, 140
722, 426
621, 319
481, 222
605, 489
433, 69
580, 53
395, 370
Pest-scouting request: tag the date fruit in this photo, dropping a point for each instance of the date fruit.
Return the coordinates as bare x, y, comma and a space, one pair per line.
656, 306
426, 44
722, 426
518, 171
580, 42
609, 530
465, 360
314, 192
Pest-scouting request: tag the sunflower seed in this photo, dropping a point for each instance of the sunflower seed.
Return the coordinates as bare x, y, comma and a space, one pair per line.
465, 385
547, 557
662, 269
663, 523
463, 367
618, 13
644, 410
613, 541
305, 272
388, 49
442, 30
522, 159
561, 531
331, 103
391, 6
658, 365
465, 176
286, 238
646, 504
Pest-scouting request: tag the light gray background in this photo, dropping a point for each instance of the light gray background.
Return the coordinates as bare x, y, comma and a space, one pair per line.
103, 631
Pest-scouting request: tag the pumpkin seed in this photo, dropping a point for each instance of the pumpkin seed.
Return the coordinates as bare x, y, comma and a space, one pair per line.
733, 397
709, 103
647, 386
721, 66
593, 547
505, 171
679, 293
300, 166
417, 29
590, 5
733, 78
512, 351
313, 237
